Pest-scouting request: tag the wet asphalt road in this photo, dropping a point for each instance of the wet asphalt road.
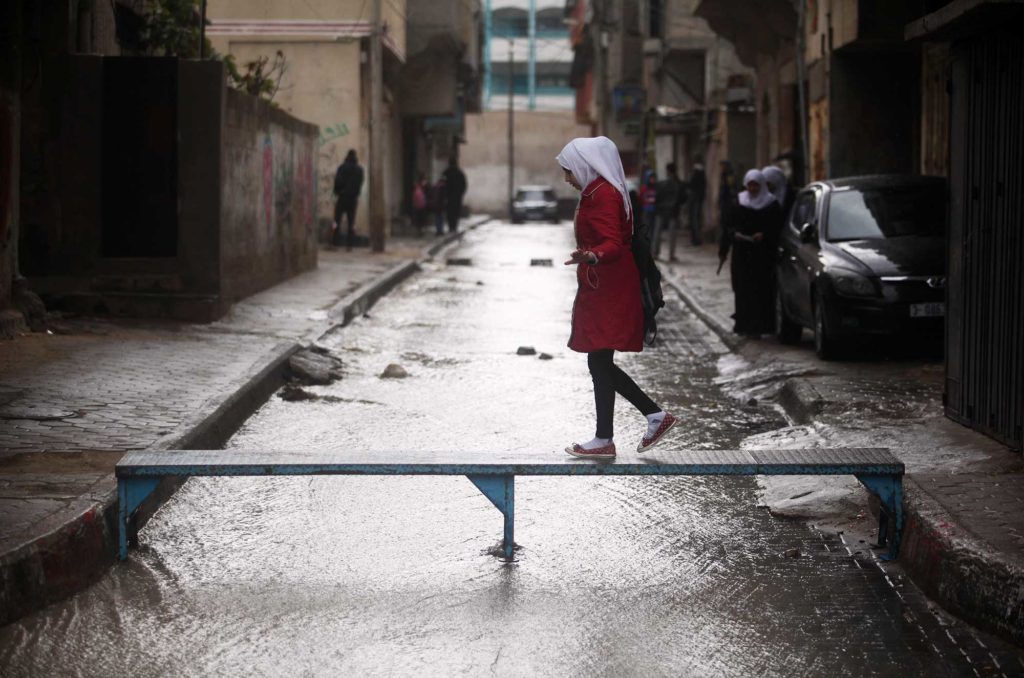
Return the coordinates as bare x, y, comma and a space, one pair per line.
393, 576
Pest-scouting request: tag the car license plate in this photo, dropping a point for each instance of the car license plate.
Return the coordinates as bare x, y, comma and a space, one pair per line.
930, 310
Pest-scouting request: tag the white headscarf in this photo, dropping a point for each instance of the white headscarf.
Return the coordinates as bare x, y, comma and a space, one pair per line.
764, 196
777, 178
591, 157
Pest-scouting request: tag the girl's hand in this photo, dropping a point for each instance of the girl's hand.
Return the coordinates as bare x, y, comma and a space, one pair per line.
758, 237
581, 257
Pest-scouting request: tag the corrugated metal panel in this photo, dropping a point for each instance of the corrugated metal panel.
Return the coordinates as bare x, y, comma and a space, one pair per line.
985, 341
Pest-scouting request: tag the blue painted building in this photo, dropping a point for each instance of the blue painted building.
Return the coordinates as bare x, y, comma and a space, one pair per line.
536, 35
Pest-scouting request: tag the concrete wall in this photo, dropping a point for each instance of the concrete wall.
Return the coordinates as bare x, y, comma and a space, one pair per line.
539, 136
268, 196
227, 247
874, 113
322, 84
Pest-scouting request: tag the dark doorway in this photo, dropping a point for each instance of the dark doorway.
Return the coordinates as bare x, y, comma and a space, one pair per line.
140, 158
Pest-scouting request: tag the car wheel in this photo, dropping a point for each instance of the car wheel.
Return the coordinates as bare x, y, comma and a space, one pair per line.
787, 331
825, 345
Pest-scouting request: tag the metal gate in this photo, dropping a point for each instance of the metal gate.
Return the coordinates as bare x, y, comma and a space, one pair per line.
985, 324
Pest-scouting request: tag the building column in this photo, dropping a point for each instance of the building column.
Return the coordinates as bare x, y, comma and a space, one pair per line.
532, 58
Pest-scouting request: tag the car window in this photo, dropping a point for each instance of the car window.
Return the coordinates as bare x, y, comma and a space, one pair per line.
879, 213
803, 210
535, 195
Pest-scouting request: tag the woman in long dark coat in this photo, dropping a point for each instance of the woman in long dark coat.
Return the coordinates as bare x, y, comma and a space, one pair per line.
752, 234
607, 315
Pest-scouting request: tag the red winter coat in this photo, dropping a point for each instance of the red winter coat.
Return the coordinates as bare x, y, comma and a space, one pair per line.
607, 313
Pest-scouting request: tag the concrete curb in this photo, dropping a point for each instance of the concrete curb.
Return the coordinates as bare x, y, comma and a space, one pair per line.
800, 400
717, 325
77, 552
959, 571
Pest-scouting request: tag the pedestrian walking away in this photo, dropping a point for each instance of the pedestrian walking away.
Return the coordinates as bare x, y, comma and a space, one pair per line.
607, 315
696, 189
751, 233
671, 196
455, 189
348, 182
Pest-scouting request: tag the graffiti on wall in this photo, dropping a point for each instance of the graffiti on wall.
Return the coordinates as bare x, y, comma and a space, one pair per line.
305, 193
332, 133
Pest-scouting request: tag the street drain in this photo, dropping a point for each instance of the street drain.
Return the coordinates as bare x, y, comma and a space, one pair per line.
460, 261
540, 262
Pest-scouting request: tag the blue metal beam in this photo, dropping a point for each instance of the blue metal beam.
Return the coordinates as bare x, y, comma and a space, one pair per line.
889, 490
140, 472
131, 492
501, 490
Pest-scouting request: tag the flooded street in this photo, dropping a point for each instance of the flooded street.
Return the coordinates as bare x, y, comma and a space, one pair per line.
393, 576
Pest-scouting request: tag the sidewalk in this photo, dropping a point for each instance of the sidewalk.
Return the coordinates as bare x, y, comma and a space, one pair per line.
72, 402
963, 543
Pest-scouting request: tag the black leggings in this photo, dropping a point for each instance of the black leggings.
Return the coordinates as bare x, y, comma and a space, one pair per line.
609, 380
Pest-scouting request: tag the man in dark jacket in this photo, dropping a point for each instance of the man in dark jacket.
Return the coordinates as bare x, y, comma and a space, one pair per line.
348, 182
671, 194
454, 189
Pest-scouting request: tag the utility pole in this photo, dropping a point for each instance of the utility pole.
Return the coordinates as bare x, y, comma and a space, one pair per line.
202, 30
511, 128
376, 159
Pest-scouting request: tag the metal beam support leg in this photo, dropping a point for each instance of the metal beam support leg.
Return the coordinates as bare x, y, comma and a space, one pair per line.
130, 493
501, 490
889, 490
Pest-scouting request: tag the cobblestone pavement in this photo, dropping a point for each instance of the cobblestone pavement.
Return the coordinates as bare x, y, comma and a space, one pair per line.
879, 398
73, 401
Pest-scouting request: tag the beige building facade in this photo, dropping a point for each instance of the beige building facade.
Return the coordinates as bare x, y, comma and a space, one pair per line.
325, 79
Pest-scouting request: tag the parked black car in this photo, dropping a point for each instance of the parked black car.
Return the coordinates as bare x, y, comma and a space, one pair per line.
863, 255
535, 203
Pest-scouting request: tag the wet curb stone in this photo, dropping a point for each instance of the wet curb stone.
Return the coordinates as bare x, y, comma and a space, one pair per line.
959, 571
954, 568
72, 554
717, 325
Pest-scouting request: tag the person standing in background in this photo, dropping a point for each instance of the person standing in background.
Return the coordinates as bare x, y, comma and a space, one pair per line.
779, 187
648, 204
671, 196
348, 182
751, 234
696, 189
455, 189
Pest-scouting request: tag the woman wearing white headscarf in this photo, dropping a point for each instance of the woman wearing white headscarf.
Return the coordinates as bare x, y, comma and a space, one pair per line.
751, 232
779, 187
607, 315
